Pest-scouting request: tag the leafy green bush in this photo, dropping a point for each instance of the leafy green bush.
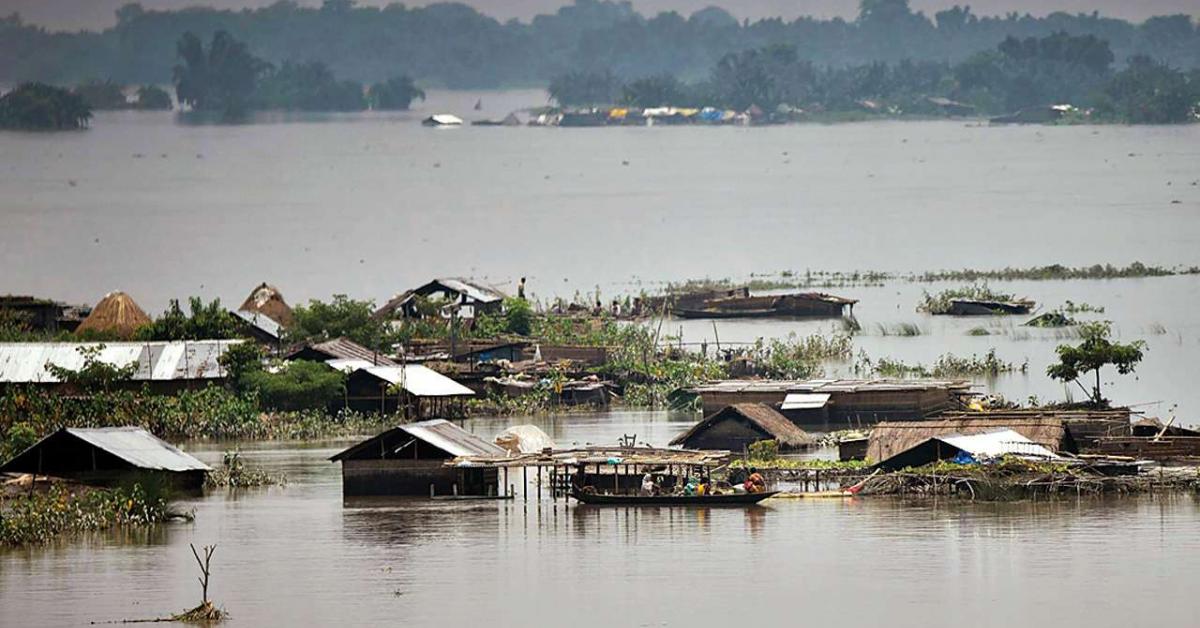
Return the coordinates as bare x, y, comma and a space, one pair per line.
41, 516
299, 385
343, 316
764, 450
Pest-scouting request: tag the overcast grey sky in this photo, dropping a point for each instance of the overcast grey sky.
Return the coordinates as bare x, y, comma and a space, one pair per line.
97, 14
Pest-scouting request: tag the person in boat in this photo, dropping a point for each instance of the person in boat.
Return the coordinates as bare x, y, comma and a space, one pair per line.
579, 479
755, 482
649, 487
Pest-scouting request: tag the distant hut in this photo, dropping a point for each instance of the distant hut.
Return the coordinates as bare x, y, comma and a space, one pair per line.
266, 299
411, 460
892, 437
115, 314
981, 446
108, 456
736, 427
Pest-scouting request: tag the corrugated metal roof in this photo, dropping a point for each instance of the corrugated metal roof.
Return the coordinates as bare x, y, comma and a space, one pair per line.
261, 322
139, 448
451, 438
995, 444
27, 362
827, 385
343, 349
419, 380
476, 291
804, 401
349, 366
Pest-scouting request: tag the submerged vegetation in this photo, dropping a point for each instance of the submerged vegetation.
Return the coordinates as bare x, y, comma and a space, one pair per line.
947, 365
940, 303
234, 473
39, 516
40, 107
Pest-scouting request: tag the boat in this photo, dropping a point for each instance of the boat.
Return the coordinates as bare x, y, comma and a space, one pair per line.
730, 499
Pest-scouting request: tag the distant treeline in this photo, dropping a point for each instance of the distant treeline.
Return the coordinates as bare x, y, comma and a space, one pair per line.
456, 46
1018, 74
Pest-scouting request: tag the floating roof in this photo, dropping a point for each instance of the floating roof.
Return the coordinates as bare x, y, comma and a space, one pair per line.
134, 445
439, 433
26, 362
419, 380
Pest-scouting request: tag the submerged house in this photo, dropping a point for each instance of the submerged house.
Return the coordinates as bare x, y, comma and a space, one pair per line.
416, 390
470, 296
108, 456
411, 460
839, 401
736, 427
893, 437
970, 448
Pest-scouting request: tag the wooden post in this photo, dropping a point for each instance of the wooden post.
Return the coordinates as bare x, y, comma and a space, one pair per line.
431, 489
525, 483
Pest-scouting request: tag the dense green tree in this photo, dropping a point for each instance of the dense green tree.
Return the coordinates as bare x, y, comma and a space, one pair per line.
204, 322
1094, 353
36, 106
222, 78
94, 375
1148, 92
656, 91
342, 316
153, 98
307, 87
585, 88
396, 93
298, 385
100, 95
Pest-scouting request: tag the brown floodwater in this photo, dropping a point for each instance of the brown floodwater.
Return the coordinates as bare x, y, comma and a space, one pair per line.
297, 555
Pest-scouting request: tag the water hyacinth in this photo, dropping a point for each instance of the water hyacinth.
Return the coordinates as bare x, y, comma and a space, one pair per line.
38, 517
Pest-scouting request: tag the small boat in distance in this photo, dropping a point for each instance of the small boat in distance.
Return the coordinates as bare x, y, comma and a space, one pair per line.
442, 119
726, 499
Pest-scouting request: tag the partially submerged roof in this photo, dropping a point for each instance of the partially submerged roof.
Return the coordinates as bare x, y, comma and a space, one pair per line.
439, 433
27, 362
599, 455
134, 445
889, 438
770, 421
813, 386
981, 446
418, 380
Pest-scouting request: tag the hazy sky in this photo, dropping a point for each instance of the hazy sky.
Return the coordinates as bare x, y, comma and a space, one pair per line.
96, 14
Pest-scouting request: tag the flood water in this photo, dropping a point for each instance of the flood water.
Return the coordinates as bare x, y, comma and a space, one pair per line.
368, 205
298, 555
371, 204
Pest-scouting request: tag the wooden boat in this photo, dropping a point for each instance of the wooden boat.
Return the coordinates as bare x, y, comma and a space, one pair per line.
731, 499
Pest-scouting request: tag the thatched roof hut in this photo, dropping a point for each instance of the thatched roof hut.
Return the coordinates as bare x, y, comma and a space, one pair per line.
118, 314
268, 301
738, 426
892, 437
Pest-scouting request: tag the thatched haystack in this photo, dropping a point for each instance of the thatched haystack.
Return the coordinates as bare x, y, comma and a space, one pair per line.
268, 301
889, 438
117, 314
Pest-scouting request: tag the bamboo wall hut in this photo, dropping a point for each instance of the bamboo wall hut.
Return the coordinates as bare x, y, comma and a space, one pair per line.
117, 314
736, 427
892, 437
268, 300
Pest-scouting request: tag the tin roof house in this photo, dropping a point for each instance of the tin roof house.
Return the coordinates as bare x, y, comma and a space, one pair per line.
107, 456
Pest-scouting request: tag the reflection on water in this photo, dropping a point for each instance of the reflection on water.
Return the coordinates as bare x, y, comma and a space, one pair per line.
299, 555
